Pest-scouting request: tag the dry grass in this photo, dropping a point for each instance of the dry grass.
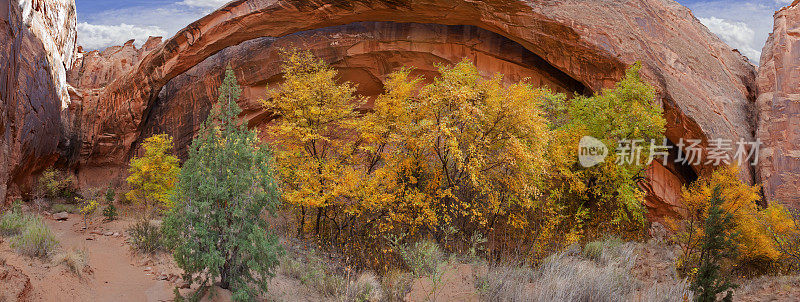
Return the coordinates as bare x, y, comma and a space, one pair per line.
73, 259
396, 284
600, 271
313, 271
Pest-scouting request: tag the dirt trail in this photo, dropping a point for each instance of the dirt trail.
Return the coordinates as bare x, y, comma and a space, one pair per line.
116, 274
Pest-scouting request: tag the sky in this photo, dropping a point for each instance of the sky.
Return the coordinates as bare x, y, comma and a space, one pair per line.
743, 24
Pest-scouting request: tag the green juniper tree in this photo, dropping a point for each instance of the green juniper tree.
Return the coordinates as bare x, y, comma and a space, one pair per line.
215, 228
718, 244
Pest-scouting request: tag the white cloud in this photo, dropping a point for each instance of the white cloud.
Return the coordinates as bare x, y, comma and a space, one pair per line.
93, 36
162, 20
725, 18
204, 3
736, 34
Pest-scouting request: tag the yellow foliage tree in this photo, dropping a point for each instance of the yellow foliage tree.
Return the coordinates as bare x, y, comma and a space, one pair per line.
604, 198
754, 226
315, 135
464, 154
153, 175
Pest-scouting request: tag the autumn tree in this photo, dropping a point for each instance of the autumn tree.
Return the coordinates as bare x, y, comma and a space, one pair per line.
606, 197
315, 135
153, 175
463, 152
216, 229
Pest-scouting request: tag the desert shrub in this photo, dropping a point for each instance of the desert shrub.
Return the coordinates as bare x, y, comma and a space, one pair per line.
64, 207
110, 212
35, 240
423, 258
565, 277
463, 151
153, 175
506, 283
145, 237
111, 195
216, 228
56, 184
12, 223
74, 260
366, 287
396, 284
313, 271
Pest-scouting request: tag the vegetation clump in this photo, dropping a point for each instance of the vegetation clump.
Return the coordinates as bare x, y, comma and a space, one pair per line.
35, 239
461, 155
145, 237
54, 184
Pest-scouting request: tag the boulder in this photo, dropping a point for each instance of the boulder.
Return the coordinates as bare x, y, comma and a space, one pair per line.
61, 216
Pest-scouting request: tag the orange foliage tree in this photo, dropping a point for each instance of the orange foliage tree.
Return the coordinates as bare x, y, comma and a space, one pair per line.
461, 156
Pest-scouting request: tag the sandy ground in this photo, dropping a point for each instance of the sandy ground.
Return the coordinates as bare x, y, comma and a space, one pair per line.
114, 274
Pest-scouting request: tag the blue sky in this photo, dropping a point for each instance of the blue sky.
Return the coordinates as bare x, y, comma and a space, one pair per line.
743, 24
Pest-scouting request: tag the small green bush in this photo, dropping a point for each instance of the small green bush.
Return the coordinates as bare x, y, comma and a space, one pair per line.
314, 273
145, 237
36, 239
110, 212
12, 223
63, 207
110, 195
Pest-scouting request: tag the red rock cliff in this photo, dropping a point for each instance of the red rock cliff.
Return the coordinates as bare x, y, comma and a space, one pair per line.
779, 109
37, 40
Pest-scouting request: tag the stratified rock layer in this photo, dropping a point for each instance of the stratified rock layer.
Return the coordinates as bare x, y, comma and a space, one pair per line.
779, 109
363, 53
35, 42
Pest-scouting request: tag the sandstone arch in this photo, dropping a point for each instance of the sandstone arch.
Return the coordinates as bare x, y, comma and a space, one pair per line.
707, 88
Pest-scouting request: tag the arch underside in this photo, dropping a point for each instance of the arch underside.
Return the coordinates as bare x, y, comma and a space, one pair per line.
363, 53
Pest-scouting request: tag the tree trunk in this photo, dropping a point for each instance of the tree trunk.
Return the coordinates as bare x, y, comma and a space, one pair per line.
225, 276
316, 224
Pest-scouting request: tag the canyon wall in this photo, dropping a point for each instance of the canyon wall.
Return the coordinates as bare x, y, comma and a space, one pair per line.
37, 39
779, 109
